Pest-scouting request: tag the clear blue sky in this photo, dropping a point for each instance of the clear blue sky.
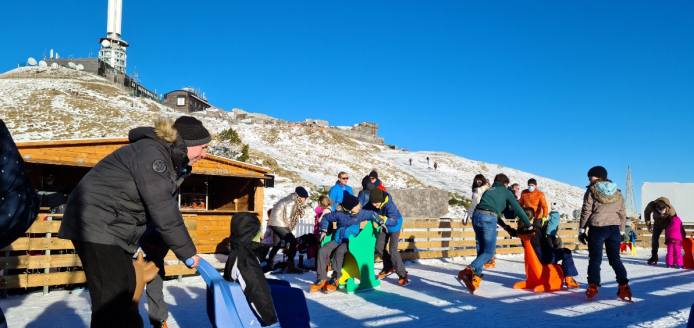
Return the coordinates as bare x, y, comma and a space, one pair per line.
548, 87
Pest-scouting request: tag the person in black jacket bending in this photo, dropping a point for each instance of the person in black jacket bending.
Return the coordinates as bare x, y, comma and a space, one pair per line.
109, 210
244, 267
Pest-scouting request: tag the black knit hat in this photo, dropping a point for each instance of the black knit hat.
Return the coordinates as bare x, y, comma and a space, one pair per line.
349, 201
376, 196
192, 131
373, 174
598, 172
301, 192
532, 181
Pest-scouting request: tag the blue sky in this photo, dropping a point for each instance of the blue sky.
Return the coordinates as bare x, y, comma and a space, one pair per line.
548, 87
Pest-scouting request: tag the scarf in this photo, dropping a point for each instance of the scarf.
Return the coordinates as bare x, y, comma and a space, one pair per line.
297, 213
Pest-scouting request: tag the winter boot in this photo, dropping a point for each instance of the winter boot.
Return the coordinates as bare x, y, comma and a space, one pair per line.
570, 282
384, 273
490, 264
160, 325
318, 285
404, 281
470, 279
624, 293
331, 286
653, 260
292, 269
592, 291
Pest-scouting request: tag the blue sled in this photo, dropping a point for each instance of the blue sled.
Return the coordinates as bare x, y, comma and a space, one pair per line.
227, 306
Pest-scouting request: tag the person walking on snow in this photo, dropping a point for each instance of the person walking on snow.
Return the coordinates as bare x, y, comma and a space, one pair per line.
410, 162
484, 221
603, 218
427, 160
435, 166
663, 212
285, 215
110, 208
338, 190
381, 203
534, 198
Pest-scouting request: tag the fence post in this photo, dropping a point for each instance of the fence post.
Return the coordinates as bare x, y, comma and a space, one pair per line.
48, 253
180, 276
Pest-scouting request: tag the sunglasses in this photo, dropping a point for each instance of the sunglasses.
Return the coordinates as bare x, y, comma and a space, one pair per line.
344, 178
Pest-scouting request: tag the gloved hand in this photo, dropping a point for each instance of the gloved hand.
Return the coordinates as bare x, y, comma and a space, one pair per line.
582, 236
322, 235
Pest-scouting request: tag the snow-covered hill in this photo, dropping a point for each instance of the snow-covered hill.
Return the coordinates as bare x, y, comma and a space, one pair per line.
50, 103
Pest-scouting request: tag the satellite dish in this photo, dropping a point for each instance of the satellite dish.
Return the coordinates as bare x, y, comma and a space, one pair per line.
106, 43
43, 64
31, 61
80, 67
71, 65
54, 65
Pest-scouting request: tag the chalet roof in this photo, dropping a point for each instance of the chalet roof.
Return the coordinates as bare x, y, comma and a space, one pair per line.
191, 94
88, 152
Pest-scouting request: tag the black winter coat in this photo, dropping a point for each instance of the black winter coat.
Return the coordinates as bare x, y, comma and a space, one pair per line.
243, 266
19, 203
129, 187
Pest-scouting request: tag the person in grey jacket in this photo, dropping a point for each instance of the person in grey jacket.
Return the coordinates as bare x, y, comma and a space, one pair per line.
603, 217
109, 209
285, 214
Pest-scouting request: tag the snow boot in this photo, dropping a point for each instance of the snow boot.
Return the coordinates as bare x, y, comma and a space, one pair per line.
624, 293
384, 273
490, 264
470, 279
330, 286
292, 269
318, 285
592, 291
570, 282
653, 260
404, 281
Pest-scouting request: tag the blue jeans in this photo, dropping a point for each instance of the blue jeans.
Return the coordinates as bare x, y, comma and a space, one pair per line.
611, 238
3, 323
558, 254
485, 234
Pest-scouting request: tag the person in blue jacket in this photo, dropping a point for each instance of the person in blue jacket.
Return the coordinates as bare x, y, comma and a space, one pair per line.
382, 204
19, 202
338, 190
348, 220
367, 186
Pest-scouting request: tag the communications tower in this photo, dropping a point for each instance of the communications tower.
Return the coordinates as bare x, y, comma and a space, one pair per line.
630, 204
113, 47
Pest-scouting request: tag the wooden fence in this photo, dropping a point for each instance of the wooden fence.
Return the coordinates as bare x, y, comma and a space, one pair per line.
644, 238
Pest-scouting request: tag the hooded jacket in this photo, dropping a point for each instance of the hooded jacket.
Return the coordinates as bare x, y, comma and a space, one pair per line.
19, 203
393, 218
660, 220
347, 223
674, 234
282, 211
244, 268
536, 200
337, 192
134, 184
603, 205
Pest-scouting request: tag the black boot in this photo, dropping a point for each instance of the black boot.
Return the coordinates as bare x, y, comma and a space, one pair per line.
654, 259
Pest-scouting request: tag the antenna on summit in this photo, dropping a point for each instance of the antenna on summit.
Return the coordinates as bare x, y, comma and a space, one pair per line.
630, 203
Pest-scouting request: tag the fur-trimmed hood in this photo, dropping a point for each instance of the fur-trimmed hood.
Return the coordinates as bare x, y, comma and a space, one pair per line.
606, 192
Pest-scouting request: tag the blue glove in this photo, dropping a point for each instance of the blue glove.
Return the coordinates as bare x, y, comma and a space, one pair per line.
582, 236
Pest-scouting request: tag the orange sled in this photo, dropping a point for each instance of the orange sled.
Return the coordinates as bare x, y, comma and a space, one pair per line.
539, 277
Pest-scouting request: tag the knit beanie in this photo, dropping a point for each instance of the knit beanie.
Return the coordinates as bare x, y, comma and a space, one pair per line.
532, 181
598, 172
192, 131
349, 201
376, 196
301, 192
373, 174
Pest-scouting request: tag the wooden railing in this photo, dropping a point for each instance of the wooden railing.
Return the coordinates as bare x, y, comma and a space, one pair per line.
436, 238
645, 237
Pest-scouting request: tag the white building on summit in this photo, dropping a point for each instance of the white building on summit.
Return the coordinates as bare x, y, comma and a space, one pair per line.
113, 47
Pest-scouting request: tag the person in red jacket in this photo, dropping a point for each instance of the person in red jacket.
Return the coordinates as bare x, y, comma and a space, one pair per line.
376, 181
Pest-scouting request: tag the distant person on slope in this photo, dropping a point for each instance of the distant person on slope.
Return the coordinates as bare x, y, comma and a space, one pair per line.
338, 190
534, 198
364, 193
285, 214
435, 166
663, 212
427, 160
603, 218
484, 221
410, 162
19, 203
376, 181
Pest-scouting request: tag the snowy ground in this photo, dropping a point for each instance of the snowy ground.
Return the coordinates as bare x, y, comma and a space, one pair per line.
434, 299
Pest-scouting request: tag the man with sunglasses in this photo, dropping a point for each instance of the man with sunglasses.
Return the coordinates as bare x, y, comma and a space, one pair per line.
663, 213
338, 190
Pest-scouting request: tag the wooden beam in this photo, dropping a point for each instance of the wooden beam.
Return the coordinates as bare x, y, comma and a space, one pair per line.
38, 244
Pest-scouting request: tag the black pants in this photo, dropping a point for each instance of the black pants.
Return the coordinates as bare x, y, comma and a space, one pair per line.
155, 252
111, 282
283, 233
391, 257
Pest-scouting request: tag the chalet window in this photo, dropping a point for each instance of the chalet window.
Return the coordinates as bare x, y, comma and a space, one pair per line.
181, 101
193, 193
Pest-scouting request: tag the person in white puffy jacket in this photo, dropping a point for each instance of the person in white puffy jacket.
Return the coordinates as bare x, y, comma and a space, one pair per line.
480, 184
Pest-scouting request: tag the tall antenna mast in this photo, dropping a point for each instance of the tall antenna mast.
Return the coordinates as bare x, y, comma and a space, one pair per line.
630, 204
